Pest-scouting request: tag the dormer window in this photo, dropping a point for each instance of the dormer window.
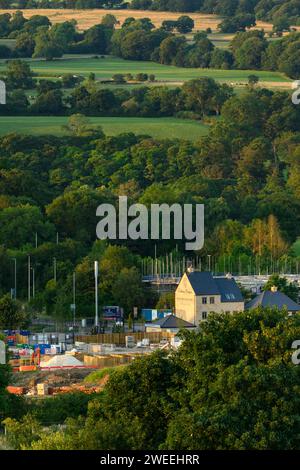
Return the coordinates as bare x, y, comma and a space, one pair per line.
230, 296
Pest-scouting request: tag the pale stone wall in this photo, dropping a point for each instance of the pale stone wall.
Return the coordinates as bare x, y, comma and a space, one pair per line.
190, 308
185, 301
217, 307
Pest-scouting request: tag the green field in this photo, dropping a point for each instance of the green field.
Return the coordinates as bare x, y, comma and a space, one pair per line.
156, 127
106, 67
220, 40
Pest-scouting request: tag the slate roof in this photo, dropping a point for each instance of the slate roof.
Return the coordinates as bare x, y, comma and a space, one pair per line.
203, 283
273, 299
171, 321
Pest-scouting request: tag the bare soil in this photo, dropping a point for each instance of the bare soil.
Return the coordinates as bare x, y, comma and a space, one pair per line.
55, 378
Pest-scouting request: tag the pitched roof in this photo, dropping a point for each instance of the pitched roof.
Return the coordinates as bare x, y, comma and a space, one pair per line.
273, 299
203, 283
171, 321
230, 291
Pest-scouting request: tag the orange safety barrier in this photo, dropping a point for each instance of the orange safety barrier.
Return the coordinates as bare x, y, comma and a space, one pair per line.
16, 390
27, 368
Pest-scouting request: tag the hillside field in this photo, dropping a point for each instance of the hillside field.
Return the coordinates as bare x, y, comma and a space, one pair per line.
87, 18
105, 68
161, 128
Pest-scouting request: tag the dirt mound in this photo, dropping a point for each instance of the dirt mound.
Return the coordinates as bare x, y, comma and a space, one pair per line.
55, 378
61, 361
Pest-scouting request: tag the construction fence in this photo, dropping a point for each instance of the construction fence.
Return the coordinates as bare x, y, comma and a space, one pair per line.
119, 339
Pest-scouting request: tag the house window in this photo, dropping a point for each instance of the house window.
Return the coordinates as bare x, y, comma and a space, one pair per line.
204, 300
211, 300
204, 315
230, 296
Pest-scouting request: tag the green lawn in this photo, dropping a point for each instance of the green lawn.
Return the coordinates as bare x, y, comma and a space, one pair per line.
105, 68
223, 40
156, 127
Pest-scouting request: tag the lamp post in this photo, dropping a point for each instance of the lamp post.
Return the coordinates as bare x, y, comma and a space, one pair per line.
96, 270
29, 278
15, 278
33, 283
74, 299
209, 262
54, 269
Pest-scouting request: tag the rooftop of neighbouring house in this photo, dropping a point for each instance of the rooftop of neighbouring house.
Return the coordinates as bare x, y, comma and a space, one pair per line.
171, 321
273, 298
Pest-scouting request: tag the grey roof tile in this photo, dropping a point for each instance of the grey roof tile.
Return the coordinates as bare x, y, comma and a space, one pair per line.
171, 321
273, 299
203, 283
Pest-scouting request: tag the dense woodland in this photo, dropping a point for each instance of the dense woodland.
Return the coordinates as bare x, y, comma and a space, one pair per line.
246, 172
232, 384
139, 40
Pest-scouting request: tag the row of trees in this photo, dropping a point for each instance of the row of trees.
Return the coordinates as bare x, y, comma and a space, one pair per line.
36, 37
232, 9
248, 50
90, 99
59, 4
139, 40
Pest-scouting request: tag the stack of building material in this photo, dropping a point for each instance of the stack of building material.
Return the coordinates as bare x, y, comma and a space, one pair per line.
130, 342
65, 361
42, 389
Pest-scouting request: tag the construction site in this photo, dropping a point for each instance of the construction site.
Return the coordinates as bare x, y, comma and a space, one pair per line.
43, 369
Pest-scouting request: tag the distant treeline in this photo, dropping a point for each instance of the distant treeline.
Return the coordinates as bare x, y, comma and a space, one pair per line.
268, 10
139, 40
55, 4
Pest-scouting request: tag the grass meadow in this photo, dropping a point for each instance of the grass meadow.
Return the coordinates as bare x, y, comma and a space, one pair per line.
106, 67
161, 128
